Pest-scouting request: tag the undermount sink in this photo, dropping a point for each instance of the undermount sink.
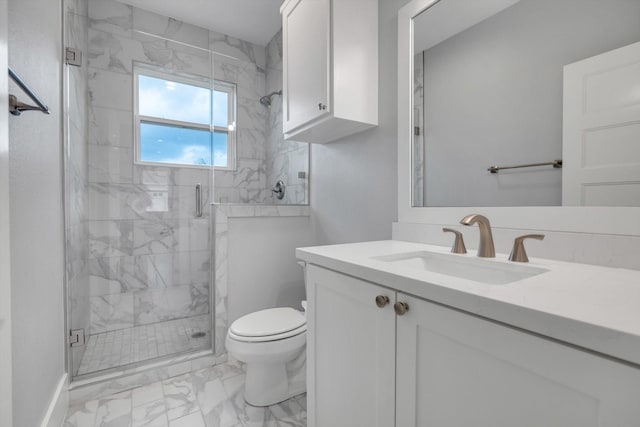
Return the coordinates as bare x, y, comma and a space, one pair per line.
480, 270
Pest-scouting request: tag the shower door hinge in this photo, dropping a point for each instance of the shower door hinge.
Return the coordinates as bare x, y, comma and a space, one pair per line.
76, 337
73, 57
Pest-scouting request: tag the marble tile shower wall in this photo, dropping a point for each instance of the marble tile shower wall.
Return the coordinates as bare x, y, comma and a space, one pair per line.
285, 159
76, 178
149, 256
243, 64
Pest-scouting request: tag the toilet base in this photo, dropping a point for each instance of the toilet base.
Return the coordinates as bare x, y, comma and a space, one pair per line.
270, 383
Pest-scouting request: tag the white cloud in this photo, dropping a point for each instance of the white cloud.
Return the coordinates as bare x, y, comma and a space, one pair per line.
219, 158
192, 155
161, 103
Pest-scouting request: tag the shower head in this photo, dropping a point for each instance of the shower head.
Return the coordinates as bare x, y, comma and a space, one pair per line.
266, 100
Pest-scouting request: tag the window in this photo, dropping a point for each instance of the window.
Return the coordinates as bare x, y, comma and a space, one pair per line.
180, 120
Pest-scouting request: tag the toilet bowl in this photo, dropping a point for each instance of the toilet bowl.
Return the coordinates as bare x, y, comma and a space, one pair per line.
272, 343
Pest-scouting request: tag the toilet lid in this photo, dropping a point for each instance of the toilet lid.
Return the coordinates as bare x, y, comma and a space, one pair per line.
273, 321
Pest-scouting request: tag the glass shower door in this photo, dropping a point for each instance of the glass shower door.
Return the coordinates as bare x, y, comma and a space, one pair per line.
138, 177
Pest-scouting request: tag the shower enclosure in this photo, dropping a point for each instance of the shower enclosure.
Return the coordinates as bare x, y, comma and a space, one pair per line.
156, 112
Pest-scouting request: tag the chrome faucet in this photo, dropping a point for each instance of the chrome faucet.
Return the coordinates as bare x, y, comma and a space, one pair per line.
486, 248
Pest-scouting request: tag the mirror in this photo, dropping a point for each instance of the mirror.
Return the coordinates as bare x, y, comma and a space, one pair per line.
504, 83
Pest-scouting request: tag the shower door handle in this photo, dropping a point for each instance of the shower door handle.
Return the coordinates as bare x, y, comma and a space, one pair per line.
198, 200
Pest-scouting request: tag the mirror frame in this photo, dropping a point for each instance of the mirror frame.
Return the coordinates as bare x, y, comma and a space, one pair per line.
596, 220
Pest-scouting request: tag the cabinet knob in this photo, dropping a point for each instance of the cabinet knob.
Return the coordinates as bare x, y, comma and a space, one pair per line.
321, 106
401, 308
382, 300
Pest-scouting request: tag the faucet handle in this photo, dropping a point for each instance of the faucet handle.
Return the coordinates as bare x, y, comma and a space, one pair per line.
458, 244
518, 254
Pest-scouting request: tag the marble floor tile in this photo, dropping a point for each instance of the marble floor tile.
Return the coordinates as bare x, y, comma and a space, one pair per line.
302, 401
124, 346
230, 369
192, 420
114, 411
179, 396
82, 415
146, 394
210, 397
150, 414
289, 413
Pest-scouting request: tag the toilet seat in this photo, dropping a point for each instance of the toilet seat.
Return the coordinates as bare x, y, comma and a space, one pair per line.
272, 324
267, 338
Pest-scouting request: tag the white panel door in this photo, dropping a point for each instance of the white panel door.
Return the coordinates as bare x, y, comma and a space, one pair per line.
601, 130
306, 61
350, 352
458, 370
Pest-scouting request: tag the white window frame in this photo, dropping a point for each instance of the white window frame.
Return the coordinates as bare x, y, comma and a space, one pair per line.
192, 80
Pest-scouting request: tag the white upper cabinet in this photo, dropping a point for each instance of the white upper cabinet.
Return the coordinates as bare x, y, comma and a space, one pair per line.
330, 81
306, 31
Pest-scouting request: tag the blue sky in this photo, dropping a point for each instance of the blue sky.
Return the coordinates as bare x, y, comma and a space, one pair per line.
177, 101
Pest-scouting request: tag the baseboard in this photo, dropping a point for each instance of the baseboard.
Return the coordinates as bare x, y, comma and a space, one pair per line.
58, 406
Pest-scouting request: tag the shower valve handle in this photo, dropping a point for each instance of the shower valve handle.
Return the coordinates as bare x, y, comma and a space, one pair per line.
279, 190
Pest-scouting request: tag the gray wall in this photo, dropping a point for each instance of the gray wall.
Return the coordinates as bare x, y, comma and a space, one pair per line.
274, 279
494, 96
37, 248
5, 260
354, 180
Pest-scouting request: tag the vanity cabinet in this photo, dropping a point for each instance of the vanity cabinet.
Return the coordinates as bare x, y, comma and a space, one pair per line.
350, 352
438, 366
456, 369
330, 68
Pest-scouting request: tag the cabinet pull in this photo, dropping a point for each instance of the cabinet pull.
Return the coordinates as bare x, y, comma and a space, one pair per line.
382, 300
401, 308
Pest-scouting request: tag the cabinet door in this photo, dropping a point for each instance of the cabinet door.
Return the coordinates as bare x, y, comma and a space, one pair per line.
455, 369
350, 352
306, 61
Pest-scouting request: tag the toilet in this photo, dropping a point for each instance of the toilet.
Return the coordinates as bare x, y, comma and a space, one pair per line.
272, 343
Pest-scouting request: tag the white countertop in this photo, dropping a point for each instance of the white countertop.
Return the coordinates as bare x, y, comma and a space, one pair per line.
594, 307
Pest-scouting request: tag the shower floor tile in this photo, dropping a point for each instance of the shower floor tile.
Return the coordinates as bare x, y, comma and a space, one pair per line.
124, 346
210, 397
